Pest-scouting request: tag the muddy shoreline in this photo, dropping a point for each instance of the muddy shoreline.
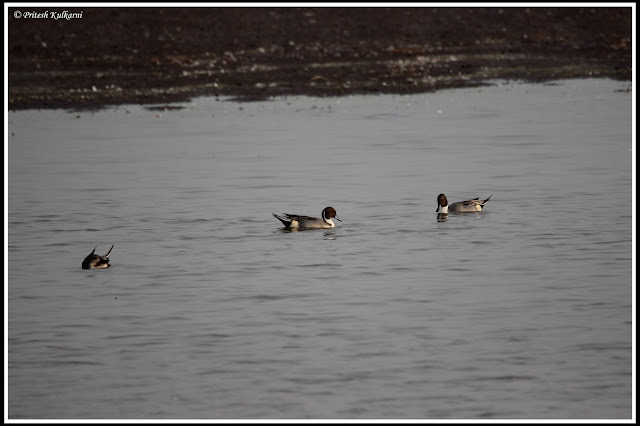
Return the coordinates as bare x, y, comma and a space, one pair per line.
93, 58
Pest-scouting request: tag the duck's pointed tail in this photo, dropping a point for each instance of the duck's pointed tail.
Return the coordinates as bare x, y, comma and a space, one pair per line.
285, 221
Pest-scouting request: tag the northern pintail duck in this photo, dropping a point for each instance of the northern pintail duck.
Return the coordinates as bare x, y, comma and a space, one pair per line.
474, 205
95, 261
298, 221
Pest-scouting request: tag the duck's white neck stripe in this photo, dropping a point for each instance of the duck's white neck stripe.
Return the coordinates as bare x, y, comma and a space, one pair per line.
327, 219
444, 209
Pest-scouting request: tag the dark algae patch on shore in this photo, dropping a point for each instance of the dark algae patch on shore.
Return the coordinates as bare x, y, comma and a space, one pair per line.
138, 55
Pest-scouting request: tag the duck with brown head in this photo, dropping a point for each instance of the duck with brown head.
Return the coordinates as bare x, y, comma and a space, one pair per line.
468, 206
308, 222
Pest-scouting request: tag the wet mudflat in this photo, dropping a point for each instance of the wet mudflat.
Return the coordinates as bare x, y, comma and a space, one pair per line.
111, 56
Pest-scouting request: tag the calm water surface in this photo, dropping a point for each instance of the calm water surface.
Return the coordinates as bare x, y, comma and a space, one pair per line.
212, 311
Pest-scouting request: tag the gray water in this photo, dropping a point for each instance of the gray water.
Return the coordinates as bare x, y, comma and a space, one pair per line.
212, 311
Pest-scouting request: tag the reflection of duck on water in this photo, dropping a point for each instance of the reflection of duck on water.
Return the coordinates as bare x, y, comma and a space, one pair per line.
95, 261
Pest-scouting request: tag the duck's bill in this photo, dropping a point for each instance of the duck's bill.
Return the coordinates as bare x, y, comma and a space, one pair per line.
338, 218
